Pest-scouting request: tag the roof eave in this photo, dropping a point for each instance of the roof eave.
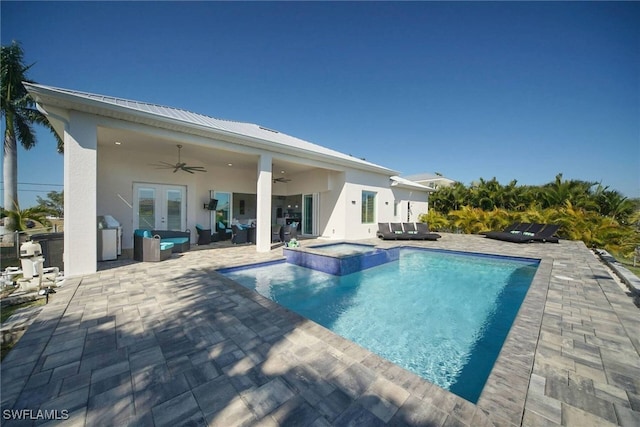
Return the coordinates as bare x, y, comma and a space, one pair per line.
45, 95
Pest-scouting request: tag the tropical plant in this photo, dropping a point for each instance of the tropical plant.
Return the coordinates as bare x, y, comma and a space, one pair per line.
469, 220
613, 204
54, 203
449, 198
19, 115
19, 218
576, 191
435, 220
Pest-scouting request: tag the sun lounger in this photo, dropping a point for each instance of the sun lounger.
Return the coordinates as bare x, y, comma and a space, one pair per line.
547, 234
530, 234
405, 231
518, 226
397, 229
384, 232
424, 233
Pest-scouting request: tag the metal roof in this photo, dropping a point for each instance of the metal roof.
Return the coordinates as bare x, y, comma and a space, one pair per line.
403, 182
427, 177
131, 109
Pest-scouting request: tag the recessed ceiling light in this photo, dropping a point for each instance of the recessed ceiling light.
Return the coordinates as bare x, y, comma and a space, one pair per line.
118, 143
281, 171
229, 164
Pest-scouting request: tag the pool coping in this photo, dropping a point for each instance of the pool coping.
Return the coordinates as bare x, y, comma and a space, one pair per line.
504, 393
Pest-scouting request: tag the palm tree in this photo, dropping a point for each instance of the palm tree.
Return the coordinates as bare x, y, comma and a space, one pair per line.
19, 114
613, 204
557, 193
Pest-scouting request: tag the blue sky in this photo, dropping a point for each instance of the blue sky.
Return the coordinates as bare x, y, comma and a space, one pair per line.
509, 90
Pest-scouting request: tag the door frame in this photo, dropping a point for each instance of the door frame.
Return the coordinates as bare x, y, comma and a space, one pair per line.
160, 204
315, 209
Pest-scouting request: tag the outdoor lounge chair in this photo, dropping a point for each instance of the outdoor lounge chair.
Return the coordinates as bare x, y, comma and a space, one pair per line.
515, 236
384, 232
547, 234
515, 226
512, 228
401, 234
423, 232
410, 229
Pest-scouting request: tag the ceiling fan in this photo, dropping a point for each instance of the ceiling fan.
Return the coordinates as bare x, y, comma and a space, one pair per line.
281, 179
179, 165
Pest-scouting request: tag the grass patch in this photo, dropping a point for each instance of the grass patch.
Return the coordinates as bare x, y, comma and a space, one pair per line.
7, 312
628, 263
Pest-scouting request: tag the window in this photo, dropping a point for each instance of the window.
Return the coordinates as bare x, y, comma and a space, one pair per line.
368, 207
396, 207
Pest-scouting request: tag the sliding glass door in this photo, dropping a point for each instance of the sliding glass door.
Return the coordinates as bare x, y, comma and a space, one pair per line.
310, 214
224, 211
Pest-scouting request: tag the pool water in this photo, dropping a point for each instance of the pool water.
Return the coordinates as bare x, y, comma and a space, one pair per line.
442, 315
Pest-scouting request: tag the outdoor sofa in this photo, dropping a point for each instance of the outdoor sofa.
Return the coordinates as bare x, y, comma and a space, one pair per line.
181, 239
149, 247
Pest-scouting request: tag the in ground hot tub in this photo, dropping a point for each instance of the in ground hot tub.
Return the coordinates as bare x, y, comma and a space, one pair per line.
342, 258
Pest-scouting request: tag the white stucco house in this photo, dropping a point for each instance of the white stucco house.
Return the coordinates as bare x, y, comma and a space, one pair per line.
113, 147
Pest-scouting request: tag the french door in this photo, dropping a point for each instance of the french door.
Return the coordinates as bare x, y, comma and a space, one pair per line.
310, 214
160, 207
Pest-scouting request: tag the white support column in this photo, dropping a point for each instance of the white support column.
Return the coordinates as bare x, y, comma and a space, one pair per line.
263, 216
80, 163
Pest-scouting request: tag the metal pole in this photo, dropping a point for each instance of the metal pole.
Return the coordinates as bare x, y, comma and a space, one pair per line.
16, 241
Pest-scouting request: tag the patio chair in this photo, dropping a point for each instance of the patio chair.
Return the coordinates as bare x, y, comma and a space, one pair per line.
239, 235
275, 233
288, 232
204, 235
224, 233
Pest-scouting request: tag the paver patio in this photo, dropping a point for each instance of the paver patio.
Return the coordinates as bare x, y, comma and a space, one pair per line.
175, 343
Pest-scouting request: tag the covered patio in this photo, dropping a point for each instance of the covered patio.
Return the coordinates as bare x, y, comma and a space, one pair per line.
157, 167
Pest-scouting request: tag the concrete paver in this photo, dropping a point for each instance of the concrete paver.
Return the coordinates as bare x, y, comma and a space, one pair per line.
175, 342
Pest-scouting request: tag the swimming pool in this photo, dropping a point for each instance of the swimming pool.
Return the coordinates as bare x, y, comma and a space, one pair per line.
442, 315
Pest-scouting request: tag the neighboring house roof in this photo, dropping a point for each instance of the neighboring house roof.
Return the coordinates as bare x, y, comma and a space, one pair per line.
430, 178
397, 181
186, 121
